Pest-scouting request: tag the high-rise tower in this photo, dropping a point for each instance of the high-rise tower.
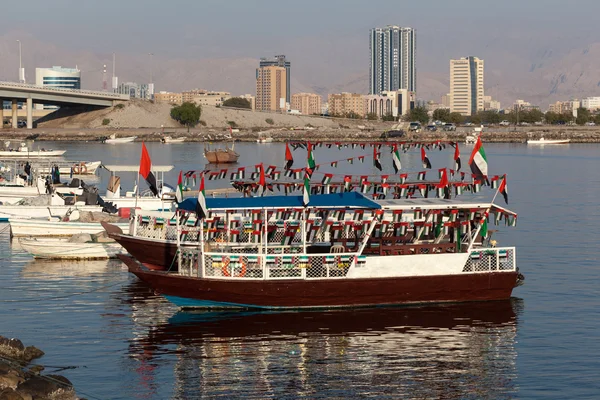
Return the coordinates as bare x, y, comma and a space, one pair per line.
393, 59
466, 85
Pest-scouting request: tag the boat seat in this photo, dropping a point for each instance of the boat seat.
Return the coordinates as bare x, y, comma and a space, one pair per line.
338, 248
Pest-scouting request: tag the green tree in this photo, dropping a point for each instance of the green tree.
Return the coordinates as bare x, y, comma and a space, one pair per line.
418, 114
456, 118
476, 119
441, 114
551, 117
237, 102
388, 117
372, 117
583, 116
489, 117
597, 119
187, 114
352, 115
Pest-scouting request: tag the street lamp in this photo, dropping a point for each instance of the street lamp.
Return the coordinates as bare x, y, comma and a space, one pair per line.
21, 69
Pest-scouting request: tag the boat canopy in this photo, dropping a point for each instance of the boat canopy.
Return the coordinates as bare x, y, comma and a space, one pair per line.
136, 168
335, 200
439, 204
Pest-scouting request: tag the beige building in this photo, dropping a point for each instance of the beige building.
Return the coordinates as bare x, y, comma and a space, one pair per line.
271, 88
306, 103
466, 85
341, 104
168, 97
490, 104
447, 100
394, 103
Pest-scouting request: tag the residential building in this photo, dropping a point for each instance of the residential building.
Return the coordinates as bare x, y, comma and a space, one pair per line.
342, 104
490, 104
271, 88
523, 105
59, 78
168, 97
395, 103
306, 103
561, 107
393, 59
447, 100
205, 97
591, 103
250, 98
134, 90
280, 61
466, 85
432, 106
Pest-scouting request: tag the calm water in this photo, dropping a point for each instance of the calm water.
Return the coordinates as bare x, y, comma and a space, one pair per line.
114, 339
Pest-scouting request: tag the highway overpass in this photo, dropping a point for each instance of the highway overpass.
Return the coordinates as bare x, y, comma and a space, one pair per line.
32, 94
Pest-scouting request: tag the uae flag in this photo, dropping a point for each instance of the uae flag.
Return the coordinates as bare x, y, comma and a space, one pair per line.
311, 157
289, 160
327, 179
396, 159
443, 191
457, 164
503, 189
201, 210
478, 161
145, 170
347, 183
306, 191
179, 191
376, 161
262, 185
425, 159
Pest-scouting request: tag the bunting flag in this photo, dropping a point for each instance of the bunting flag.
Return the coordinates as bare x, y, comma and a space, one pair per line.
327, 179
478, 161
334, 164
351, 160
347, 183
376, 161
503, 189
425, 159
201, 210
289, 159
146, 170
421, 175
396, 159
442, 187
306, 192
179, 191
457, 163
311, 156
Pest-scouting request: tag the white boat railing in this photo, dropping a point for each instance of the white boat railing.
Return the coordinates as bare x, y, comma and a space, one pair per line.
492, 259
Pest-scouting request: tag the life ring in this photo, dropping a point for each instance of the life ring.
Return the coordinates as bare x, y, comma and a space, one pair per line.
80, 168
225, 268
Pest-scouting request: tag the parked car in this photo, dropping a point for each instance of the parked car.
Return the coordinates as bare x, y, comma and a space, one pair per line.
538, 123
431, 128
415, 127
395, 133
505, 123
469, 124
591, 123
449, 127
21, 124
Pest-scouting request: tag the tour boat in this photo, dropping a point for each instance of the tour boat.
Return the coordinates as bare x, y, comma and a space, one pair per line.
39, 228
16, 190
113, 139
549, 141
64, 249
343, 250
221, 156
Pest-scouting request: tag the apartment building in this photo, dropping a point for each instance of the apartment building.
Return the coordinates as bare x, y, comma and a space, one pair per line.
271, 88
306, 103
342, 104
466, 85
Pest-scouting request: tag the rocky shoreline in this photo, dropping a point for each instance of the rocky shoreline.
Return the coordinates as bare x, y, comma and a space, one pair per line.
496, 135
21, 380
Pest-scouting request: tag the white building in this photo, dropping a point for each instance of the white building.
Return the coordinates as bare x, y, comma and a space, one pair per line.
395, 103
591, 103
57, 77
135, 90
393, 59
466, 85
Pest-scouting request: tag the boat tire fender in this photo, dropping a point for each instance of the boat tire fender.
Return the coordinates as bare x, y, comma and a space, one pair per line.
80, 168
225, 268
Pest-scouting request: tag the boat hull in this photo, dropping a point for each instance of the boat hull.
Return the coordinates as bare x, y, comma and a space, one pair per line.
32, 154
564, 141
8, 212
190, 292
37, 228
62, 249
128, 139
155, 254
221, 156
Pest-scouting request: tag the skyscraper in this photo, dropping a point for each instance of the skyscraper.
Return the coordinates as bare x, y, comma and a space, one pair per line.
280, 61
466, 85
270, 88
393, 59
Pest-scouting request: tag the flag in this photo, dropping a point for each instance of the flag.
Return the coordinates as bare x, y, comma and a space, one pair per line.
289, 159
334, 164
421, 175
145, 170
457, 163
347, 183
396, 159
262, 186
478, 160
484, 226
376, 161
361, 159
442, 187
503, 189
311, 156
424, 159
201, 210
327, 179
179, 191
306, 192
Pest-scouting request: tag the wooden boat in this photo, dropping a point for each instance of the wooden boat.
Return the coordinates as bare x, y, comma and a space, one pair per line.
113, 139
343, 251
40, 228
172, 140
64, 249
221, 156
549, 141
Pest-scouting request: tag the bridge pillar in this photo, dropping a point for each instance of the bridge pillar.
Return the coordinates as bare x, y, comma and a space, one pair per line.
1, 113
29, 113
14, 114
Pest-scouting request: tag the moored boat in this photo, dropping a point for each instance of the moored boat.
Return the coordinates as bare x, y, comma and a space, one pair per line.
343, 251
543, 140
23, 151
113, 139
221, 156
40, 228
172, 140
64, 249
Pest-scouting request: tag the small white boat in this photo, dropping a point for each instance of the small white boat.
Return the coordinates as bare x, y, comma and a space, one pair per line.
171, 140
55, 212
64, 249
25, 152
78, 168
32, 227
113, 139
470, 139
549, 141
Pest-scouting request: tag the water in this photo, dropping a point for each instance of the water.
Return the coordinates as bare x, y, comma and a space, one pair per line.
113, 338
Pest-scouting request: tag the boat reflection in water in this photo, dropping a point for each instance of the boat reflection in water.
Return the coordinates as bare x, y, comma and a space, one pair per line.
42, 269
442, 351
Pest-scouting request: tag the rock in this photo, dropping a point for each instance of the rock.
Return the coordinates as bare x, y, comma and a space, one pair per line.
36, 369
10, 377
47, 387
11, 348
10, 394
31, 353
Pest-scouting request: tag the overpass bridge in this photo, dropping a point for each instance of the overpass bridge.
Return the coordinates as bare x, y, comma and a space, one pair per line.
30, 94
